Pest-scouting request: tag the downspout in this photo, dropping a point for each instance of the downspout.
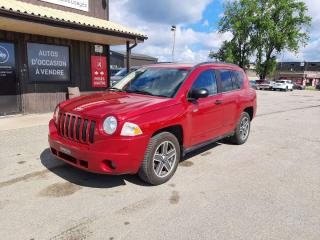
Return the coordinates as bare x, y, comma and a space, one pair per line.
129, 52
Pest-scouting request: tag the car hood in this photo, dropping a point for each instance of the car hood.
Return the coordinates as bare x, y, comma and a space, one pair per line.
121, 104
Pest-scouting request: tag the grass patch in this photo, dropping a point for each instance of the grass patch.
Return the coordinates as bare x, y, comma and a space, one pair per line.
310, 88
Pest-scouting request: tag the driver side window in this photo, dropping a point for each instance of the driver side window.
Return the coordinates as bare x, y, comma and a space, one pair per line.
207, 80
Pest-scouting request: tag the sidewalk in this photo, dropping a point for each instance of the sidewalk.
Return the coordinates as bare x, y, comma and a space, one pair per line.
24, 121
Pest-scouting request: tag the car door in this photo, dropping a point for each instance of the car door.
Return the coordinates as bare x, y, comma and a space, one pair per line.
230, 90
205, 114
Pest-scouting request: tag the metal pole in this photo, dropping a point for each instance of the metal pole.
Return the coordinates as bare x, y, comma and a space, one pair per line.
128, 56
173, 29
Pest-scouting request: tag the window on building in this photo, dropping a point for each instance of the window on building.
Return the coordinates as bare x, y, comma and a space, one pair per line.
207, 80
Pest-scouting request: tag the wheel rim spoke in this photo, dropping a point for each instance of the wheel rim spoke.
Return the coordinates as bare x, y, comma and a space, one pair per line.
165, 147
157, 158
171, 153
159, 168
167, 165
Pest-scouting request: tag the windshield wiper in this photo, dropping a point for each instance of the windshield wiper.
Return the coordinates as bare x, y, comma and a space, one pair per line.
145, 93
115, 89
140, 92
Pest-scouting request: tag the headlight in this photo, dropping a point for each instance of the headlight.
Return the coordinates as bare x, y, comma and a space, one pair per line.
56, 114
130, 129
110, 125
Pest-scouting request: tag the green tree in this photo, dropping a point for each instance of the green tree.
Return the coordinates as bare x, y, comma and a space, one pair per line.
239, 20
279, 25
225, 53
264, 28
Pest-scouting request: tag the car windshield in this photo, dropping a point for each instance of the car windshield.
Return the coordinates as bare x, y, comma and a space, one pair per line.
279, 81
163, 82
122, 72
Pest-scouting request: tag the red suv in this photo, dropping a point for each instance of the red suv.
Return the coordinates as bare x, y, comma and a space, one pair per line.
148, 120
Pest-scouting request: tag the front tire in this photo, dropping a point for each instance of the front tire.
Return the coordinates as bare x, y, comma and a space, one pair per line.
242, 130
161, 159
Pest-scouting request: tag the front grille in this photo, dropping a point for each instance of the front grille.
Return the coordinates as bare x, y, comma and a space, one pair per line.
76, 128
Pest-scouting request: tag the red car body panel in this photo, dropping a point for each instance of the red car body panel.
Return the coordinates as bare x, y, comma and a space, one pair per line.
199, 122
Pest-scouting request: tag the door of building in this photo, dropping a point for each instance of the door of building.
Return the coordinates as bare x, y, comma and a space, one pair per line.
9, 93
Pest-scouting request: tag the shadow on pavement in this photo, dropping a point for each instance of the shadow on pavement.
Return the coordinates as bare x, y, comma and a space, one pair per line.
83, 178
93, 180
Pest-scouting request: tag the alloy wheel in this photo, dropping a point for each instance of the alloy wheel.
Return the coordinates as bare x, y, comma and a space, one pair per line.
164, 159
244, 127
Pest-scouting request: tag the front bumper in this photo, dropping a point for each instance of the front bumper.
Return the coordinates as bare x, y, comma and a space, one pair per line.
114, 155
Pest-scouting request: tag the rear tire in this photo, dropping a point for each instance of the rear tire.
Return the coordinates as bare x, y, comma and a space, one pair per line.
242, 130
161, 159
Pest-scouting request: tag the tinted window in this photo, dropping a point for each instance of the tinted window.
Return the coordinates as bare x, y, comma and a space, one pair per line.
207, 80
226, 81
237, 80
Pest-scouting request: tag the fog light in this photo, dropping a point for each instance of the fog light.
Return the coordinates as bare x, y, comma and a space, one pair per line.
108, 164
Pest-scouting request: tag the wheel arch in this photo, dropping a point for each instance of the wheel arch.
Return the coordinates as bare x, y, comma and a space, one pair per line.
176, 130
250, 111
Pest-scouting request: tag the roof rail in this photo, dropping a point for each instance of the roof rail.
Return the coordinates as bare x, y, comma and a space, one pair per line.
210, 62
214, 62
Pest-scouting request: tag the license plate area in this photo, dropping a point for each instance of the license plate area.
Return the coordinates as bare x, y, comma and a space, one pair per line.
65, 150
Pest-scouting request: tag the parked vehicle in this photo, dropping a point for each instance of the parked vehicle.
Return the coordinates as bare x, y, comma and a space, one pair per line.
264, 85
153, 116
283, 85
121, 74
114, 71
253, 84
298, 86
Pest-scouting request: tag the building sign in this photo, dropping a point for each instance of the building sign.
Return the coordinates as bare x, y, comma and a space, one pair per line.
76, 4
99, 71
7, 61
48, 63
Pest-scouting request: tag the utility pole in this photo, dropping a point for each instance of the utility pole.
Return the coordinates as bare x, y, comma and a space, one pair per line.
173, 29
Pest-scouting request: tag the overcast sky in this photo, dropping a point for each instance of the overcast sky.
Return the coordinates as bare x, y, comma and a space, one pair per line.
196, 22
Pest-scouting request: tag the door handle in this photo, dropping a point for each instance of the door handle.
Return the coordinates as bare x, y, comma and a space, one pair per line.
218, 102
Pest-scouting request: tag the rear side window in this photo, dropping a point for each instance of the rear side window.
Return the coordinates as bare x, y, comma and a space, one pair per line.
207, 80
237, 80
226, 80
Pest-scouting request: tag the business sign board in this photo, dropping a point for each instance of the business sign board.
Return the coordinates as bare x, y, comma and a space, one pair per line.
76, 4
99, 71
48, 63
7, 61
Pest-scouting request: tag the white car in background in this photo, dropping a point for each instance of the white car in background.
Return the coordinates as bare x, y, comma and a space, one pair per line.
264, 84
283, 85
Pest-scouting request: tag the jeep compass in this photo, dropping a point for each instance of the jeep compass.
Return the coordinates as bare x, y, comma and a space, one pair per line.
147, 121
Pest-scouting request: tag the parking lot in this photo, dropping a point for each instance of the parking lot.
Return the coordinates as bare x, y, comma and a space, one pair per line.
268, 188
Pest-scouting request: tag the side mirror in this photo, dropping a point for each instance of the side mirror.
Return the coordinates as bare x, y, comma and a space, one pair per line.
197, 93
